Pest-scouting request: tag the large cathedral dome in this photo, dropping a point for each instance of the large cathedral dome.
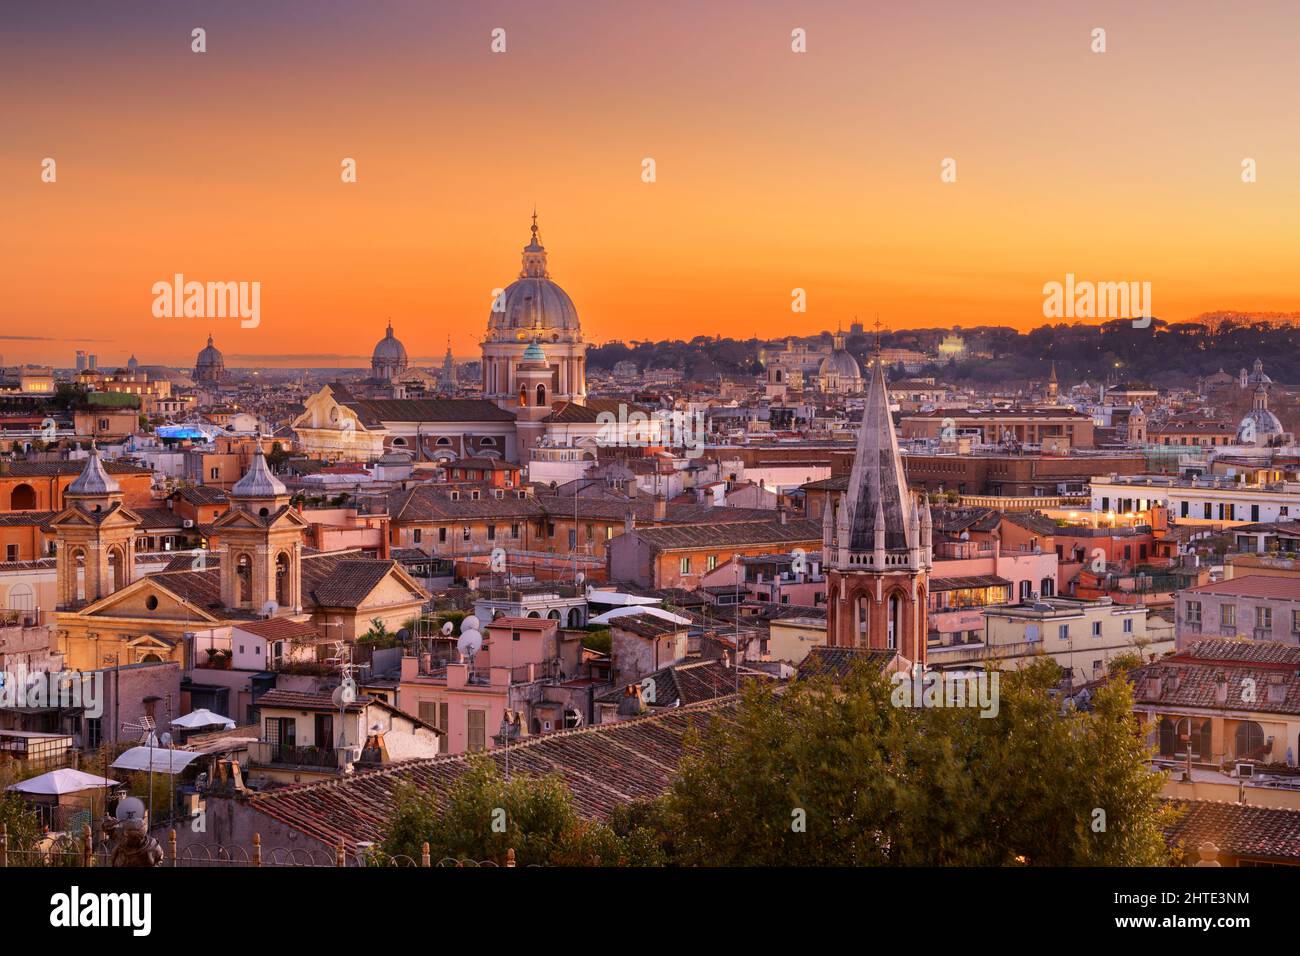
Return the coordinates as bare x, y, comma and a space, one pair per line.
389, 358
533, 306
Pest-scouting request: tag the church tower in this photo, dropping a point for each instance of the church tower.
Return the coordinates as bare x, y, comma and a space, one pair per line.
259, 541
94, 537
876, 543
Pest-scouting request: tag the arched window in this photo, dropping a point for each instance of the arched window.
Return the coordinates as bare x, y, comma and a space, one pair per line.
1250, 741
23, 498
21, 598
554, 615
894, 621
282, 579
541, 395
575, 617
77, 568
861, 614
117, 568
523, 396
244, 579
1172, 730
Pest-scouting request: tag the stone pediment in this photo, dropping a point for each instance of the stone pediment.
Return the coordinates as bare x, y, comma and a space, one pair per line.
148, 598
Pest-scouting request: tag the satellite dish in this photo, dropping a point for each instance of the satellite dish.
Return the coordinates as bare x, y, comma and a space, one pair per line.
404, 634
131, 808
345, 693
269, 609
469, 643
166, 739
581, 577
447, 628
470, 623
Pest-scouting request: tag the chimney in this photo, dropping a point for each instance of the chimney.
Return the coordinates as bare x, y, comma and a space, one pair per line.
661, 507
629, 523
384, 552
782, 515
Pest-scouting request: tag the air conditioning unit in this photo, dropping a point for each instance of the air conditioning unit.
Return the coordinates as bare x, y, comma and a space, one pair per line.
188, 523
1245, 770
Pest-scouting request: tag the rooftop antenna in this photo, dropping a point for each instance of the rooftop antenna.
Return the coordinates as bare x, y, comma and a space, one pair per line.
145, 728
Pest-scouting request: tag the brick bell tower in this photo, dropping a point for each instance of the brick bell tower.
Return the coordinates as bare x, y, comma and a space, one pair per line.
876, 543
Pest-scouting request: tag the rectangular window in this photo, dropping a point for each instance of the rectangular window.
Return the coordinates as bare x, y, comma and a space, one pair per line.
1264, 618
1128, 625
94, 732
442, 535
464, 533
1185, 509
476, 721
492, 532
1228, 615
415, 535
573, 539
1096, 628
514, 530
11, 552
1063, 631
684, 566
711, 562
1193, 612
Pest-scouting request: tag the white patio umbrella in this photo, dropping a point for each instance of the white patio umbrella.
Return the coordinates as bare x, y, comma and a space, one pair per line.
58, 782
203, 718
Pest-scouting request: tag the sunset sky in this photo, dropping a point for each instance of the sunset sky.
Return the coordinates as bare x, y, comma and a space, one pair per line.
775, 170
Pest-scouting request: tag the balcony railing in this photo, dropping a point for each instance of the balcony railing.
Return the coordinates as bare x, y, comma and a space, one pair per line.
266, 753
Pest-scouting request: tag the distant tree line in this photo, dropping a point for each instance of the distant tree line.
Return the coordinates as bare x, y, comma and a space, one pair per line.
1160, 353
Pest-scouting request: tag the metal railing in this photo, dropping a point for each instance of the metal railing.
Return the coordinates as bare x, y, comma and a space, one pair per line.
81, 851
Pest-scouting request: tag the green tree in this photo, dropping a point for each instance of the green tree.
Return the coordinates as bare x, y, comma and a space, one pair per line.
22, 825
840, 776
482, 816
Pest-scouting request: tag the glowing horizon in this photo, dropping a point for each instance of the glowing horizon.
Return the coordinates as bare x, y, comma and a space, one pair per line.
775, 170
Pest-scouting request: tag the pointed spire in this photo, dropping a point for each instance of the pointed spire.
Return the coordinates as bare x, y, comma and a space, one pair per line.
878, 496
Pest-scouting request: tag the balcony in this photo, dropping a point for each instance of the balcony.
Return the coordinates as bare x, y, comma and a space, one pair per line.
267, 754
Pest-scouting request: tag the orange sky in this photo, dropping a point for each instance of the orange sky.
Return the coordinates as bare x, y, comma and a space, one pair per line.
775, 170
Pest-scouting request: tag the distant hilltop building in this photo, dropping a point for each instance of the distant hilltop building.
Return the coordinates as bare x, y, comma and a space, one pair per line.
953, 346
1255, 376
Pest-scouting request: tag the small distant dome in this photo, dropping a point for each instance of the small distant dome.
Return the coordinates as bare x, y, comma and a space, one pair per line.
132, 364
389, 358
210, 366
1259, 426
842, 365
